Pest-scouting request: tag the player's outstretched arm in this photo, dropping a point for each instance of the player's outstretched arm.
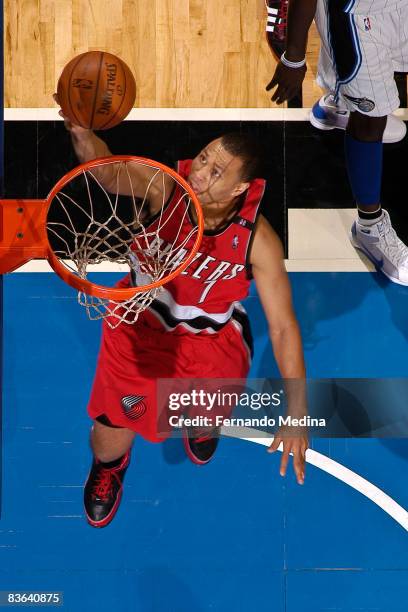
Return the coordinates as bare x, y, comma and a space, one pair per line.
87, 146
274, 290
86, 143
288, 78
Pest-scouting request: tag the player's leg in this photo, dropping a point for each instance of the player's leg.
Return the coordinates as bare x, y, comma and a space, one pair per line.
364, 153
109, 444
226, 356
122, 403
363, 62
371, 95
372, 233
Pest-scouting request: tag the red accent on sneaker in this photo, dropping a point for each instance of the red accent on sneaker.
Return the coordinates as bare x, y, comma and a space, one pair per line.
102, 488
201, 439
190, 455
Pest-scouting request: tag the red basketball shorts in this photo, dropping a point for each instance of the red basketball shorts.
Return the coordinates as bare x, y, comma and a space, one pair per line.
133, 357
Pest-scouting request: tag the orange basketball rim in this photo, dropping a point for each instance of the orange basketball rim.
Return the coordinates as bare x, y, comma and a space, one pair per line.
24, 235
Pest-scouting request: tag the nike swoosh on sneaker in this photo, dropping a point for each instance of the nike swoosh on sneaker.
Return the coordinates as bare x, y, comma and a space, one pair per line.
378, 262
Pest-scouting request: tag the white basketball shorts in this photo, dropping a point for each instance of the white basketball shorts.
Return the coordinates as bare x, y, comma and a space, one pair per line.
359, 55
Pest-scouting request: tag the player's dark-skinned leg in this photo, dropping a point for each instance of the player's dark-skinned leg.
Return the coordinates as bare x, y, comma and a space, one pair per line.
372, 233
401, 82
103, 488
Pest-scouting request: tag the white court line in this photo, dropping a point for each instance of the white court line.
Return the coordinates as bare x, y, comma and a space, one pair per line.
339, 471
318, 241
329, 265
292, 265
184, 114
174, 114
331, 252
323, 235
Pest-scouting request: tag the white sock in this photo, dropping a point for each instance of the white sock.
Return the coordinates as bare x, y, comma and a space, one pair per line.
368, 222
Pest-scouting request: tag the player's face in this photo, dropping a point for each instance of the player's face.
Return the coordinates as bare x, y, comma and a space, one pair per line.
216, 175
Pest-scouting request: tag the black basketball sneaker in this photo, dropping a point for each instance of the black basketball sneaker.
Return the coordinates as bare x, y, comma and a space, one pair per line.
200, 448
103, 491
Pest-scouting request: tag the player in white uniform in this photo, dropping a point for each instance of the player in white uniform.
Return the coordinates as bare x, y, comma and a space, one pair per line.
363, 43
382, 28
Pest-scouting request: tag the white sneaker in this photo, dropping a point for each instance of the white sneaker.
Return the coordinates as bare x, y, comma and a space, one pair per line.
380, 243
327, 115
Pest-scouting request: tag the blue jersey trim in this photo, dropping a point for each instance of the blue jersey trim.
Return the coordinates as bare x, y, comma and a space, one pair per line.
357, 49
349, 6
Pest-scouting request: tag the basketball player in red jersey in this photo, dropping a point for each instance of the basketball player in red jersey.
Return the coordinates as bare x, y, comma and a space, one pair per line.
197, 329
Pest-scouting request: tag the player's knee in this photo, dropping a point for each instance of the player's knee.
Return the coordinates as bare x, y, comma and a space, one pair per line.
366, 128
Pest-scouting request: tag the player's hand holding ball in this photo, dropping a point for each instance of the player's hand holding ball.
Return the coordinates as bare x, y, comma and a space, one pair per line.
76, 130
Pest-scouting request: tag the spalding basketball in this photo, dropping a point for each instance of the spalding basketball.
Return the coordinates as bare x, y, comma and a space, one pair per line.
96, 90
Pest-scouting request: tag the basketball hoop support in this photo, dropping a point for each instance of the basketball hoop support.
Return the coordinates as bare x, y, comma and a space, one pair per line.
22, 232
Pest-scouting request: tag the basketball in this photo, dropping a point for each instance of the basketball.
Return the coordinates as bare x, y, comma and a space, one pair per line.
96, 90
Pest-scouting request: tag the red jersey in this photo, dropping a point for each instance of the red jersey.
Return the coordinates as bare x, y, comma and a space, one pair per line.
195, 328
206, 295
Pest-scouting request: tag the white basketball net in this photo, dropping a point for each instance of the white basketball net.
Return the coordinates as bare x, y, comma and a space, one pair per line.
91, 222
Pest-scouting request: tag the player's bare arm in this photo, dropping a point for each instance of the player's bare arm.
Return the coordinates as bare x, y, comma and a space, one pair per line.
275, 294
87, 146
135, 181
274, 291
288, 80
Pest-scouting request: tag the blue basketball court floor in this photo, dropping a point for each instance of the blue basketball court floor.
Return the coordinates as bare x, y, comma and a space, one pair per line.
232, 535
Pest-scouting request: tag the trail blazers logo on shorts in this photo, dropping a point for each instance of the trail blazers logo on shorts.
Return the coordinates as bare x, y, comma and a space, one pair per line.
133, 406
364, 104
